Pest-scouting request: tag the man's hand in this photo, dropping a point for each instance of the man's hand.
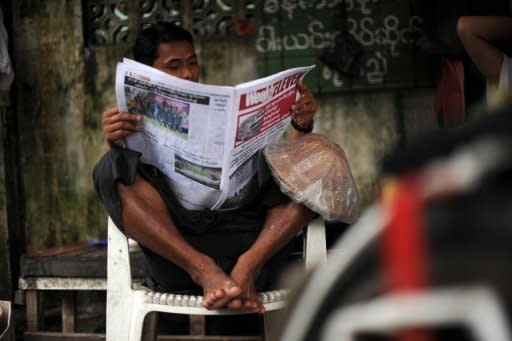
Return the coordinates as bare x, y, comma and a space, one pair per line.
306, 106
117, 125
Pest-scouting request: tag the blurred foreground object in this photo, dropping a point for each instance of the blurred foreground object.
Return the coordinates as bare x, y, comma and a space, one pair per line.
6, 328
314, 171
459, 286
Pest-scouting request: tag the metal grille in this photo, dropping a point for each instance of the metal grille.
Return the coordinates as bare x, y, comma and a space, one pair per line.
113, 22
106, 22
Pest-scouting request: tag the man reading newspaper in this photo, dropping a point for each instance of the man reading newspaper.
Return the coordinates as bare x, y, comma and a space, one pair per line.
228, 254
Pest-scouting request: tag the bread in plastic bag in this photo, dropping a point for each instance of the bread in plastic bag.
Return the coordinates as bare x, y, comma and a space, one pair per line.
314, 171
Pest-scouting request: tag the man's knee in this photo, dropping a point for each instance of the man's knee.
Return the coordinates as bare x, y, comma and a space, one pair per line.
116, 165
101, 174
105, 185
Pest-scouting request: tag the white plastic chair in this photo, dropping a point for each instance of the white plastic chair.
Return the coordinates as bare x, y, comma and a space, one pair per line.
128, 303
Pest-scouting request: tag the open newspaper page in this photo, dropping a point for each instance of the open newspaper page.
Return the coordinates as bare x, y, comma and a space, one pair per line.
260, 116
183, 130
205, 138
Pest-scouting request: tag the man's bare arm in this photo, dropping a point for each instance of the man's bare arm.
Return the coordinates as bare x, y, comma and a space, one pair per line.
479, 35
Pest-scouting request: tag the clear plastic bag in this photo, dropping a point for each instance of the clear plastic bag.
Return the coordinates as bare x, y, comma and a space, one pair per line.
314, 171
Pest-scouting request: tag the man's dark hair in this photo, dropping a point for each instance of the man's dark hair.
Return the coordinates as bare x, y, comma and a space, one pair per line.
145, 48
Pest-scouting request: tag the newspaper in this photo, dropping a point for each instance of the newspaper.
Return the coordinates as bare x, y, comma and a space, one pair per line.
205, 138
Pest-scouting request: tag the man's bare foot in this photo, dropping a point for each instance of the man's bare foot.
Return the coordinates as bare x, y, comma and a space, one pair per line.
245, 278
218, 288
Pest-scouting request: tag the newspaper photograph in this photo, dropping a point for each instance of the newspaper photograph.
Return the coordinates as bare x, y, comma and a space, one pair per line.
206, 138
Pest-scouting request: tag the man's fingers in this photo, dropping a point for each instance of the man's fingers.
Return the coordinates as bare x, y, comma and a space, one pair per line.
121, 116
113, 114
119, 130
121, 125
115, 136
306, 106
110, 111
303, 88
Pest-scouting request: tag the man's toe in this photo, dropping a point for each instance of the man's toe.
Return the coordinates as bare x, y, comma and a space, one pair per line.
233, 291
235, 304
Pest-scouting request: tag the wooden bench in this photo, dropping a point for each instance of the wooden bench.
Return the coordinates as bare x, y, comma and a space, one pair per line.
66, 270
